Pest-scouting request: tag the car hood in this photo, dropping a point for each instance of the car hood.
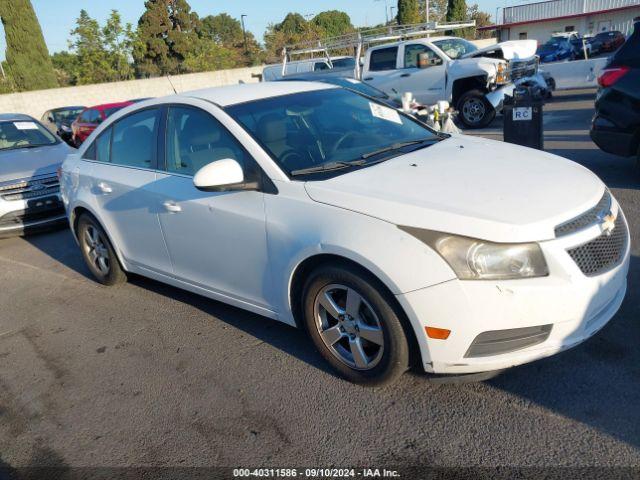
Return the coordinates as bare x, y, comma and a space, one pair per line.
468, 186
517, 49
24, 163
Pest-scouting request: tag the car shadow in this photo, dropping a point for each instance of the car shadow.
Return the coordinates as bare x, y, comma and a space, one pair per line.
607, 366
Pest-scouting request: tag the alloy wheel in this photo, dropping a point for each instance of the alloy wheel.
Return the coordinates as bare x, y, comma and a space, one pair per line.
96, 249
349, 327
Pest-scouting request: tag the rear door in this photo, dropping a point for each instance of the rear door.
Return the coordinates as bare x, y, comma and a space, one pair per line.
125, 190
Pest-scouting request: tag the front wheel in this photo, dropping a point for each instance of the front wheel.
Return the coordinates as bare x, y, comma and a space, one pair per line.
475, 110
354, 325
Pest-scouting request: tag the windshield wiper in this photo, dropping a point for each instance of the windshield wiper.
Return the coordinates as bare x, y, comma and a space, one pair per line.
397, 146
327, 167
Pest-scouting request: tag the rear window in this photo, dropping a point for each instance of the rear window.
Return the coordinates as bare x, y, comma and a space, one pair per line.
383, 59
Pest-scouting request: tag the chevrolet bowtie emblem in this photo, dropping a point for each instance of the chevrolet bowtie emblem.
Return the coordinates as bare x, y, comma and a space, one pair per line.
608, 223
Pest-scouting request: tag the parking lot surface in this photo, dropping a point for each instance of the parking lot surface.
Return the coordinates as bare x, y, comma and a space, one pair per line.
145, 374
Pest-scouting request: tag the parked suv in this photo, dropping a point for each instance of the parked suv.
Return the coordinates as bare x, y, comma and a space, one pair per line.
388, 242
29, 189
91, 117
616, 124
608, 41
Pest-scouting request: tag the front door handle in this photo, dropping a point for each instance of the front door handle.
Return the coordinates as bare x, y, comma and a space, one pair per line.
405, 75
367, 79
172, 207
104, 187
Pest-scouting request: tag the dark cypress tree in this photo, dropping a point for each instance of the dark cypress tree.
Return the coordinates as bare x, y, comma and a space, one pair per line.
28, 61
456, 11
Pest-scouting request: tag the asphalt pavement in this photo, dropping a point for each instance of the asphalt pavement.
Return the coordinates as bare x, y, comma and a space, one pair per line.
144, 374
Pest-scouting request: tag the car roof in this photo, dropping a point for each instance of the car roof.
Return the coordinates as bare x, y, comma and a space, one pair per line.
73, 107
12, 117
241, 93
106, 106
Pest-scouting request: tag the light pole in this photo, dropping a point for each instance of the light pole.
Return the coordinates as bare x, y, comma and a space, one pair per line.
386, 9
244, 33
392, 8
426, 9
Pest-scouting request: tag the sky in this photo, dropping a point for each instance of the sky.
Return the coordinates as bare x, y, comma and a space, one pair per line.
57, 18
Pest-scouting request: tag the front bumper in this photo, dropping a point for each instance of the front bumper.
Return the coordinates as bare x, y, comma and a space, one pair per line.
19, 217
496, 98
575, 305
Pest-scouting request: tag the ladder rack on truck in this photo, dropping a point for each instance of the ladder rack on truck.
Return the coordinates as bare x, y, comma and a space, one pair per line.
358, 41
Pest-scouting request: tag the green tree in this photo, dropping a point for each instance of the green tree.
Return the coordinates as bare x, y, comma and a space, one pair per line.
28, 61
65, 65
408, 12
88, 43
119, 40
167, 35
292, 30
227, 31
482, 19
333, 23
208, 55
437, 10
456, 11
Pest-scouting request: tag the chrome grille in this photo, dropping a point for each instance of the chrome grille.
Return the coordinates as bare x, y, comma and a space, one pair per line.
588, 218
604, 252
29, 188
523, 68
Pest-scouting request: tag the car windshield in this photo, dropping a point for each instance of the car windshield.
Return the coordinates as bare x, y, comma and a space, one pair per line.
330, 130
455, 47
556, 42
66, 116
24, 134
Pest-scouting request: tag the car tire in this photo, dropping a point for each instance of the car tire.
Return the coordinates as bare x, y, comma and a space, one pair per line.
98, 253
474, 109
363, 340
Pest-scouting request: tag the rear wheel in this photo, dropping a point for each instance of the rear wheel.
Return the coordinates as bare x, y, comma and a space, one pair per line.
98, 253
475, 110
354, 326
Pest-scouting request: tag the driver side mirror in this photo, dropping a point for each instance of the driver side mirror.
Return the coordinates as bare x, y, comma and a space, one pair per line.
425, 61
221, 176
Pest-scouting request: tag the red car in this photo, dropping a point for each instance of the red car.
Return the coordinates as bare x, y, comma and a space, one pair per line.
608, 41
91, 117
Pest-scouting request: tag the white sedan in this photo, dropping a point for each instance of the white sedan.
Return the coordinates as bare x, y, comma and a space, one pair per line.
389, 243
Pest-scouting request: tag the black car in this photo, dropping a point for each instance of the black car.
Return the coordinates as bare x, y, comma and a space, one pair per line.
59, 120
616, 124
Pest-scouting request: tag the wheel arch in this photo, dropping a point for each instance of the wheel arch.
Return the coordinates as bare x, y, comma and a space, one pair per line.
463, 85
77, 212
306, 266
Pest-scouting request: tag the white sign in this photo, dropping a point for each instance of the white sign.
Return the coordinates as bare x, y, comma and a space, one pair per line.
385, 113
25, 125
522, 114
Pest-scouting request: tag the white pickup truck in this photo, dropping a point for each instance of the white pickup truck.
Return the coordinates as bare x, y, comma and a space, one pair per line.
473, 80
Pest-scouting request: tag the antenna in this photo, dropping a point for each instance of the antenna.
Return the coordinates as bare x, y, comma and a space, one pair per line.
171, 83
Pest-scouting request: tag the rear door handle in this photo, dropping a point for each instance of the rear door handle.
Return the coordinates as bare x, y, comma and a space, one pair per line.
172, 207
404, 75
104, 187
367, 79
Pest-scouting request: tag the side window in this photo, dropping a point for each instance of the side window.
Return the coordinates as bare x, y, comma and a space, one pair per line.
103, 146
93, 116
100, 149
411, 53
83, 118
195, 139
320, 66
383, 59
134, 141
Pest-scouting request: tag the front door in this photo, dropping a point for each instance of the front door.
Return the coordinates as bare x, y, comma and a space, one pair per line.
217, 240
426, 84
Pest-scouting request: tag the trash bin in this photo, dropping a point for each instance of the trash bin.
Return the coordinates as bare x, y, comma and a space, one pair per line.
523, 118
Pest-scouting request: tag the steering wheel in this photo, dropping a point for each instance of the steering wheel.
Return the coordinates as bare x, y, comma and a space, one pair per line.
349, 136
292, 160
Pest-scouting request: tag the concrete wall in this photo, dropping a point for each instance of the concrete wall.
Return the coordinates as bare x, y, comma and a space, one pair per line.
541, 31
37, 102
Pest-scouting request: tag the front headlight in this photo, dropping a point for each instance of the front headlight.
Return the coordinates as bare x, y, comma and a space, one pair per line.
473, 259
503, 74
